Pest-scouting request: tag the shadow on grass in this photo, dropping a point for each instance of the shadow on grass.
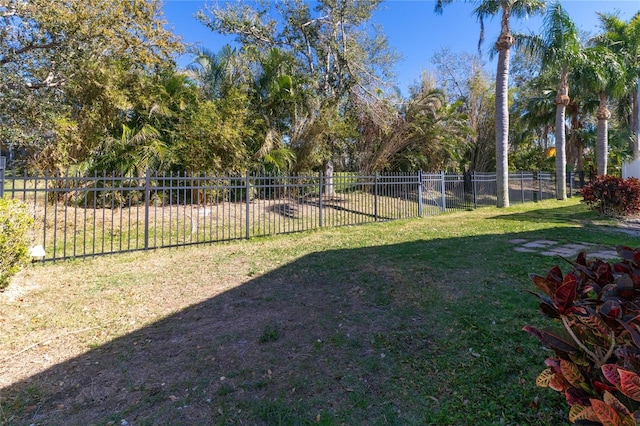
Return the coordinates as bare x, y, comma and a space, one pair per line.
374, 335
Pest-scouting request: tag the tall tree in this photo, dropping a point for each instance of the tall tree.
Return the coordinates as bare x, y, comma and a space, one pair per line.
336, 52
602, 74
559, 48
467, 84
424, 133
508, 9
623, 38
55, 56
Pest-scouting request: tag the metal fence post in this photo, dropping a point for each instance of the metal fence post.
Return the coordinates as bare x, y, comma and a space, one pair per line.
419, 193
147, 196
522, 186
444, 192
475, 193
247, 201
375, 196
320, 199
3, 162
571, 176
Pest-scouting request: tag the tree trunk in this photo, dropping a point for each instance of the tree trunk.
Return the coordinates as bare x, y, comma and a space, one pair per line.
562, 100
561, 157
602, 142
502, 127
328, 188
575, 151
635, 122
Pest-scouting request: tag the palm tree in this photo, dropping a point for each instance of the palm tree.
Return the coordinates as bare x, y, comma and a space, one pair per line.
558, 48
216, 73
509, 8
603, 75
623, 38
276, 96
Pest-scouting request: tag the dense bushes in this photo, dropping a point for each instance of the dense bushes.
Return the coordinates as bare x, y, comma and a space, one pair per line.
597, 341
613, 196
15, 222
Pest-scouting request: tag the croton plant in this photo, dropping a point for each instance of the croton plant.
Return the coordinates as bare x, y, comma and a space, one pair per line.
596, 339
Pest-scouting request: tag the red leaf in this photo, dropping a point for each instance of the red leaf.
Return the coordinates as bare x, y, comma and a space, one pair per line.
581, 259
603, 272
636, 278
610, 372
556, 340
577, 397
611, 400
546, 286
555, 275
611, 309
566, 294
601, 387
558, 384
571, 373
629, 384
570, 278
606, 414
592, 320
625, 252
621, 268
632, 332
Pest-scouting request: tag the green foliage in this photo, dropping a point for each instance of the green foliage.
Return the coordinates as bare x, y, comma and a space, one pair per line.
308, 65
597, 346
530, 157
15, 222
427, 133
271, 333
613, 196
67, 89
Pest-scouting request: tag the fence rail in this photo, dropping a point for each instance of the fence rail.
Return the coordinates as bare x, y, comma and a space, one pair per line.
80, 216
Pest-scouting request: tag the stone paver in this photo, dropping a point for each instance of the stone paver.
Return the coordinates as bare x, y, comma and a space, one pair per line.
518, 241
580, 246
540, 244
524, 250
546, 248
604, 255
561, 251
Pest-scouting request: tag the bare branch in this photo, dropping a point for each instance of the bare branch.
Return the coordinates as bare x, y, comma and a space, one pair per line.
28, 48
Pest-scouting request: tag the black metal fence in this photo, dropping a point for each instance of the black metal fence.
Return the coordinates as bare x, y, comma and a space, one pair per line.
80, 216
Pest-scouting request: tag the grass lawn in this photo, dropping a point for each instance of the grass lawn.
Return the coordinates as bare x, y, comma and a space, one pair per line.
412, 322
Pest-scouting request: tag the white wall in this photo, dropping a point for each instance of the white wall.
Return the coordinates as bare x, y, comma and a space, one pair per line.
631, 169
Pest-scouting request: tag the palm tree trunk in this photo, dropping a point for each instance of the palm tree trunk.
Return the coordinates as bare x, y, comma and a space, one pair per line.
502, 128
562, 100
561, 156
574, 147
635, 122
602, 142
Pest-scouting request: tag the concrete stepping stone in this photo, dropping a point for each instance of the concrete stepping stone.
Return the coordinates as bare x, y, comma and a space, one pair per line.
524, 250
518, 241
604, 255
540, 244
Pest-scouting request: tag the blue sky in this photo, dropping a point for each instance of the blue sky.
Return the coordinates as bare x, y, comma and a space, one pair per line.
412, 27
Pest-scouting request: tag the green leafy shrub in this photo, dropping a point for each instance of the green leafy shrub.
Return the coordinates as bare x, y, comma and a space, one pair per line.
597, 341
613, 196
15, 222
